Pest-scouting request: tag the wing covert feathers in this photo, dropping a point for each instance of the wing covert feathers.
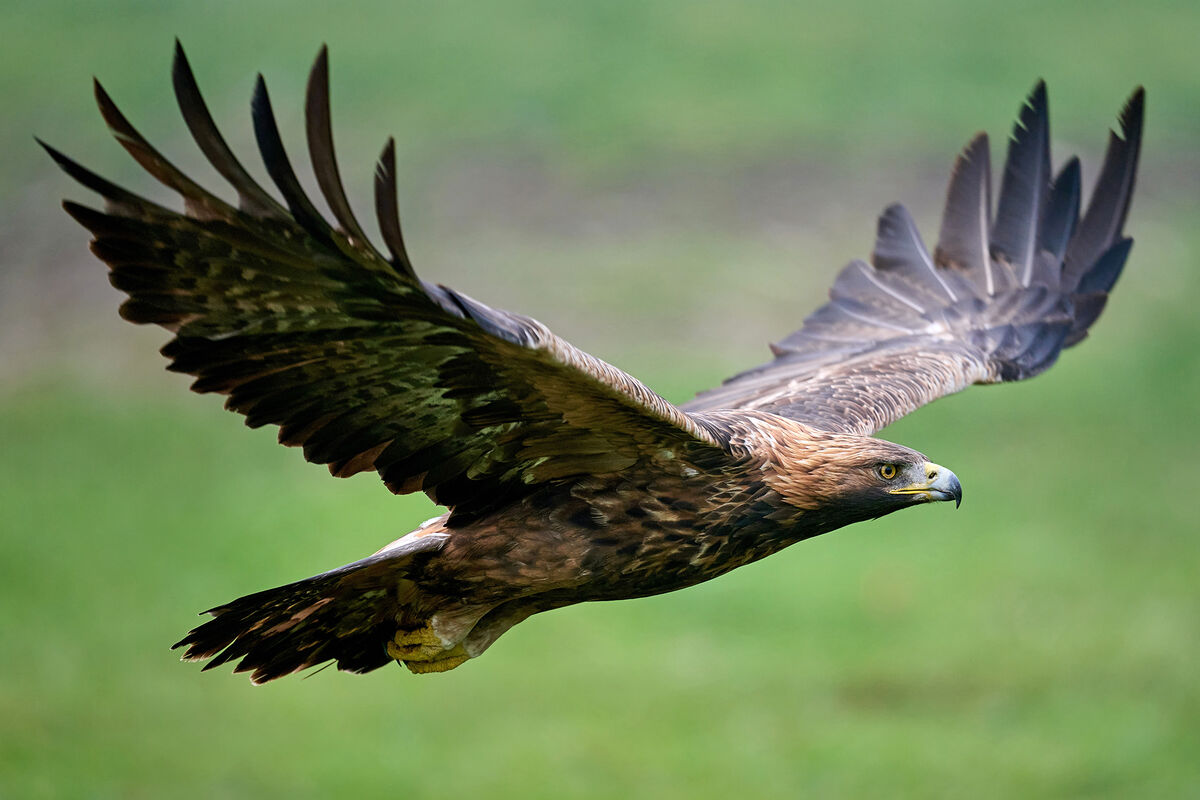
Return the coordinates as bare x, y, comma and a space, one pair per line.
998, 301
307, 326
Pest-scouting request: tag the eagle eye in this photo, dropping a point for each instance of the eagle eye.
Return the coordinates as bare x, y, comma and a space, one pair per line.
887, 471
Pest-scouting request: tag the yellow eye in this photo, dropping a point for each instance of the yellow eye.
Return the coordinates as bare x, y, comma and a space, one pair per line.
887, 471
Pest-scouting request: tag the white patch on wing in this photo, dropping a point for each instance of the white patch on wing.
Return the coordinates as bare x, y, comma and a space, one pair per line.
408, 542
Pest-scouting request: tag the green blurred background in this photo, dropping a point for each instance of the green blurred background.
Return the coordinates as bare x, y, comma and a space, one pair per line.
669, 185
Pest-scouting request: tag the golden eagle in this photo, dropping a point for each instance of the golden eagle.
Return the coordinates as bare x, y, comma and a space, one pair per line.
566, 479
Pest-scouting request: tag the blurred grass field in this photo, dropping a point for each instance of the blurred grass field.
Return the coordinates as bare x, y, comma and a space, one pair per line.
668, 185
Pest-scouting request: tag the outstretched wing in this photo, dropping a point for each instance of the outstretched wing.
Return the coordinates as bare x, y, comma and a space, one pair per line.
366, 367
998, 300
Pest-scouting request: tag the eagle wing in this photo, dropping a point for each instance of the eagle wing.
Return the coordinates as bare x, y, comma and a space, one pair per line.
366, 367
1000, 297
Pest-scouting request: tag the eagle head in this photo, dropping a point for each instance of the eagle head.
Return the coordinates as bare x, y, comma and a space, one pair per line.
849, 478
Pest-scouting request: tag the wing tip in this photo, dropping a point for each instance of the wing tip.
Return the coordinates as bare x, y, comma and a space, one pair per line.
1133, 113
1033, 115
1037, 98
181, 68
979, 141
895, 212
318, 73
117, 122
260, 97
57, 155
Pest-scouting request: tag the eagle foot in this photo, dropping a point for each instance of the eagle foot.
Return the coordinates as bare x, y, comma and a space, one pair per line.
415, 643
449, 660
422, 650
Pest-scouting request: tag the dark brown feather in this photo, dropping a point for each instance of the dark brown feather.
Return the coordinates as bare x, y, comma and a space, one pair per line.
320, 148
251, 197
387, 211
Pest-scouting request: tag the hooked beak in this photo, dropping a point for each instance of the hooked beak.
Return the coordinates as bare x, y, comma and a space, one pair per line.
939, 483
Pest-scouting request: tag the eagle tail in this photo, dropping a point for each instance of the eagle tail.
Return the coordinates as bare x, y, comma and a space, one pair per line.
348, 615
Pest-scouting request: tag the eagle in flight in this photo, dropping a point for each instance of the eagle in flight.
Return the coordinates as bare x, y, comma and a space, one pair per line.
566, 479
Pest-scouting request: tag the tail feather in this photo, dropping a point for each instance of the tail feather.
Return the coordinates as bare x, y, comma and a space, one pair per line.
347, 615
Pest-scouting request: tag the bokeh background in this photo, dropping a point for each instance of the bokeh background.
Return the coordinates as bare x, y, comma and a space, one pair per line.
669, 185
